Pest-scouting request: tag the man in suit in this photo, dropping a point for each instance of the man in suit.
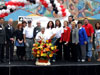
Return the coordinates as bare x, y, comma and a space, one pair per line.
2, 39
10, 40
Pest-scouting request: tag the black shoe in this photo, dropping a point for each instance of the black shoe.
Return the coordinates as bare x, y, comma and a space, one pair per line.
3, 61
7, 60
0, 62
11, 60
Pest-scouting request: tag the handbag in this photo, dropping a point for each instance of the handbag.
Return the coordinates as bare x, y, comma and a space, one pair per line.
19, 44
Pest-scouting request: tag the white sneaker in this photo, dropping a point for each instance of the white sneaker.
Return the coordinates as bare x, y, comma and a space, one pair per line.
83, 60
54, 60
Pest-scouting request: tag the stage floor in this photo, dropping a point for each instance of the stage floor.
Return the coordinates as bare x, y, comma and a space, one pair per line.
59, 63
57, 68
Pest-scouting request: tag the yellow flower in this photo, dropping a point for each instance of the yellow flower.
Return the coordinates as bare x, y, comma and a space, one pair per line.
32, 48
42, 44
52, 48
38, 52
51, 55
40, 47
42, 54
45, 54
47, 44
47, 41
50, 44
55, 47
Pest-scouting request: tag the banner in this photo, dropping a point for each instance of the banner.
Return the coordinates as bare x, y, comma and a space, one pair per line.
43, 20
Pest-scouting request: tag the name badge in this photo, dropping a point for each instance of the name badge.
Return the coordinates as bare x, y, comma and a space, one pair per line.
37, 31
65, 29
0, 28
8, 27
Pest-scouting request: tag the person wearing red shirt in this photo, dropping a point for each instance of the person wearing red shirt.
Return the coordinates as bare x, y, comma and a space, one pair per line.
65, 38
90, 31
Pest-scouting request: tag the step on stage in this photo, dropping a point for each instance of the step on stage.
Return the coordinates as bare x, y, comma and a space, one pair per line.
61, 68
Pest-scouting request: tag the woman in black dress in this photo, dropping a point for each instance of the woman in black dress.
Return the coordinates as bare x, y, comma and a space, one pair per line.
20, 42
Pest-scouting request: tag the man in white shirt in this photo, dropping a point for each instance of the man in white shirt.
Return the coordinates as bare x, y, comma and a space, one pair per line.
28, 39
41, 35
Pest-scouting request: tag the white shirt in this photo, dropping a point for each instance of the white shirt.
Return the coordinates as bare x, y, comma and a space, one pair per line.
41, 36
28, 31
49, 32
58, 31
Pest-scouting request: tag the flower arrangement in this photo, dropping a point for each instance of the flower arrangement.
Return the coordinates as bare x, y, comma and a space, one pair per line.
44, 50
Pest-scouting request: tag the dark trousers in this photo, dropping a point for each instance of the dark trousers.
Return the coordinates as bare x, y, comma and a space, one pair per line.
66, 51
20, 51
79, 54
59, 47
1, 52
9, 50
75, 51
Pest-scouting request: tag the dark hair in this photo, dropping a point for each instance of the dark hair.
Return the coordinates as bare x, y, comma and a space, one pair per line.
71, 16
24, 22
1, 18
52, 24
96, 25
79, 22
29, 21
59, 23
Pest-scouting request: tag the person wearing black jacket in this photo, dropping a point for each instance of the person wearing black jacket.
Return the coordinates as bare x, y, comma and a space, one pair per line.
20, 42
2, 39
10, 40
37, 29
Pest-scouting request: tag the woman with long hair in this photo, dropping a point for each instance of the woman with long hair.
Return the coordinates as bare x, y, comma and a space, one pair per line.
50, 31
58, 32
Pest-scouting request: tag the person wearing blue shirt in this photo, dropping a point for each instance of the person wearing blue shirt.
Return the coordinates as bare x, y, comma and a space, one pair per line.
82, 41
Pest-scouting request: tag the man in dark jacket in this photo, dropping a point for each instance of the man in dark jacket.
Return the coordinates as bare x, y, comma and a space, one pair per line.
37, 29
10, 40
2, 39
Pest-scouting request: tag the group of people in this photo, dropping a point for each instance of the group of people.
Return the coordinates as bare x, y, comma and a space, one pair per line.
74, 40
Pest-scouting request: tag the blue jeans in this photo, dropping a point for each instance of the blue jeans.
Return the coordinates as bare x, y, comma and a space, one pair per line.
29, 46
89, 48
